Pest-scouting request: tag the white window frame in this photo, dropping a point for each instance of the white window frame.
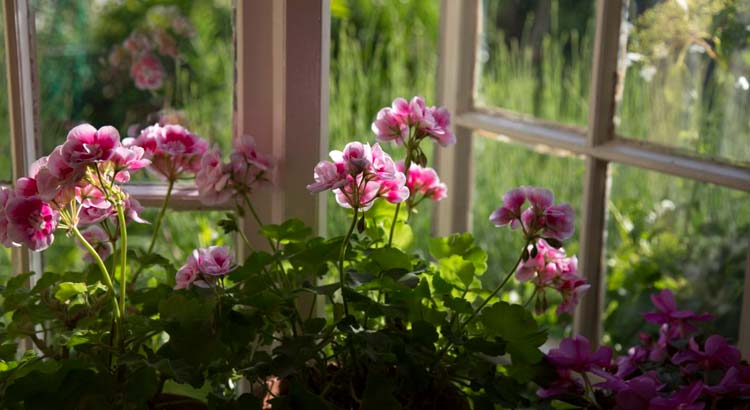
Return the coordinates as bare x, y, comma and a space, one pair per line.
280, 98
598, 144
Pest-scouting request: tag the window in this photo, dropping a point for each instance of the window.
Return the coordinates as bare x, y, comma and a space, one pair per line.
604, 82
223, 68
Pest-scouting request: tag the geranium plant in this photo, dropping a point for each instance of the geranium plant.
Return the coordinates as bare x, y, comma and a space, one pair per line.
355, 321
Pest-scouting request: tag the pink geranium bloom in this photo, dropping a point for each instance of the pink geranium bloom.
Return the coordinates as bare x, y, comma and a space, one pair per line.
6, 194
359, 175
172, 149
389, 126
440, 130
54, 176
31, 222
188, 273
541, 219
571, 288
213, 179
215, 261
99, 240
327, 176
424, 181
137, 43
204, 266
129, 158
564, 384
249, 167
575, 354
638, 393
147, 72
86, 145
668, 313
358, 193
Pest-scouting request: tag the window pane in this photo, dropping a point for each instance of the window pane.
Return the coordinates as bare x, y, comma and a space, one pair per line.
535, 58
499, 167
673, 233
687, 76
380, 50
130, 64
180, 233
5, 162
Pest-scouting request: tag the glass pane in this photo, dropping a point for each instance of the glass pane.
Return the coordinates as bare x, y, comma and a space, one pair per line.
666, 232
380, 50
688, 85
130, 64
535, 58
499, 167
5, 162
180, 233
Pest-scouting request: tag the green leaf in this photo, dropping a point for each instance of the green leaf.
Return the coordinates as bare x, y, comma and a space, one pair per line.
378, 394
252, 267
517, 326
314, 325
299, 398
461, 245
292, 230
390, 258
67, 290
455, 269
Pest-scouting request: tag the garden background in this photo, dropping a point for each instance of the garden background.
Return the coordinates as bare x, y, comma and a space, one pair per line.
663, 231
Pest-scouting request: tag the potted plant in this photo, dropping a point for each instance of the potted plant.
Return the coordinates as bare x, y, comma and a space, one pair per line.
355, 321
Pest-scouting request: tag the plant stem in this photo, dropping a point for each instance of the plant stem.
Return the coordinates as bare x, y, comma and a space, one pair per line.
497, 289
123, 258
342, 255
407, 165
102, 268
159, 217
528, 302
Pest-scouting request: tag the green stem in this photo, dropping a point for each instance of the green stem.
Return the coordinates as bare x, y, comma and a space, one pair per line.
407, 165
102, 268
497, 289
342, 255
528, 302
123, 258
159, 217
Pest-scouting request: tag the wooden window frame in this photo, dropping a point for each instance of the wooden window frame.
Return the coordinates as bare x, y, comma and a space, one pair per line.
599, 145
280, 98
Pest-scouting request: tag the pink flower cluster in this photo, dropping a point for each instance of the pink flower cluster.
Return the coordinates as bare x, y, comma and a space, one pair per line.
359, 175
551, 268
541, 219
79, 170
671, 373
204, 267
424, 182
218, 182
140, 51
99, 240
406, 120
173, 150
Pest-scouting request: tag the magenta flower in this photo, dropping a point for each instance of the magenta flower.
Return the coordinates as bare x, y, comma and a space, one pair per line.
188, 273
31, 222
99, 240
576, 355
249, 167
637, 393
53, 176
669, 314
716, 354
564, 384
685, 399
541, 219
440, 130
736, 381
424, 181
147, 72
128, 159
86, 145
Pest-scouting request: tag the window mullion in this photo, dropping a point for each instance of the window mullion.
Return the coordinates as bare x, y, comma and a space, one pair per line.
589, 314
459, 22
22, 106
